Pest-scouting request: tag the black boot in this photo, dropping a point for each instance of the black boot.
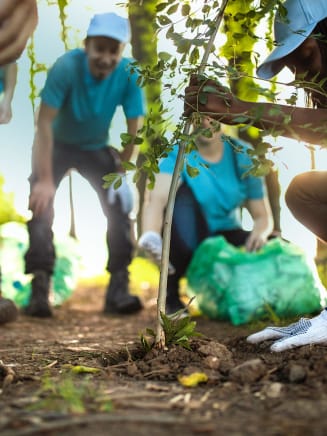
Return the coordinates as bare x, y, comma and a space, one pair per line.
173, 303
39, 301
118, 299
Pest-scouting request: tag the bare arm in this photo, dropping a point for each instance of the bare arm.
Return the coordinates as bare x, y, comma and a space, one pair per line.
43, 190
262, 223
155, 203
133, 125
305, 124
18, 19
10, 80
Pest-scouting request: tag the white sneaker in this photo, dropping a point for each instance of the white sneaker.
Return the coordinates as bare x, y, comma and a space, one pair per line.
151, 243
314, 331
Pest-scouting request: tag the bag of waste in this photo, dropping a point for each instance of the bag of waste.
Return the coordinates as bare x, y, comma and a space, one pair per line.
16, 285
232, 284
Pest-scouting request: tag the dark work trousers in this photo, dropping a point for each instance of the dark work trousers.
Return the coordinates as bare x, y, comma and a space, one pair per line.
189, 229
306, 197
92, 165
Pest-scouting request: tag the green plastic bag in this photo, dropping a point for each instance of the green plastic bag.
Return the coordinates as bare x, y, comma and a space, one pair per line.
16, 285
232, 284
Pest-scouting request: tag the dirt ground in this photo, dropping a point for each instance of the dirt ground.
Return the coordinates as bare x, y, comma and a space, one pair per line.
248, 391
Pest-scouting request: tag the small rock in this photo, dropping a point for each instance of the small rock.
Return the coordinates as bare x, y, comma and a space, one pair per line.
221, 352
273, 390
297, 374
211, 362
132, 369
248, 372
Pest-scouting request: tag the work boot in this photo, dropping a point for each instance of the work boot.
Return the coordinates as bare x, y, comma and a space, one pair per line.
118, 300
39, 301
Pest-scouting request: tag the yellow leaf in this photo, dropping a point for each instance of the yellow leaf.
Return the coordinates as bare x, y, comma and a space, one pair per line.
80, 369
193, 379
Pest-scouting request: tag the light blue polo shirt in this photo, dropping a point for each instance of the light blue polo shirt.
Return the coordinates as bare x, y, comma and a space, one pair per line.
87, 105
219, 187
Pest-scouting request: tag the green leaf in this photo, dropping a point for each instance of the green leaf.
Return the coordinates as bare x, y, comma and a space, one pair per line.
186, 9
192, 171
163, 20
150, 332
165, 56
129, 166
161, 6
118, 182
172, 9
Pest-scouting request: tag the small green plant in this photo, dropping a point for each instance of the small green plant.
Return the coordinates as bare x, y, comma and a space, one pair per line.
69, 394
178, 330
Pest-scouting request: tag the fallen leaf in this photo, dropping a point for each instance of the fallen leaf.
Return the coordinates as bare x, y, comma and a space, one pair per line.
193, 379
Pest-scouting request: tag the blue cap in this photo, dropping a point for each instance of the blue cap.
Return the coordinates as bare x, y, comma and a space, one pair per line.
110, 25
291, 31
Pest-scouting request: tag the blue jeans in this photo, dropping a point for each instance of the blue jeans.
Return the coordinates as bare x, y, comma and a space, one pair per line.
92, 165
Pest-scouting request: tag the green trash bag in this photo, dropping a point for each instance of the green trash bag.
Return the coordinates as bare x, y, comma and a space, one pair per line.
232, 284
16, 285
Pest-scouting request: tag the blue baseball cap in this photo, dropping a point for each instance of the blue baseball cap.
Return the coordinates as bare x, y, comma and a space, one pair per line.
110, 25
291, 31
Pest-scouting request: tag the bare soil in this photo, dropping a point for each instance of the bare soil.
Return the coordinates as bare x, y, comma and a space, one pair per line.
248, 391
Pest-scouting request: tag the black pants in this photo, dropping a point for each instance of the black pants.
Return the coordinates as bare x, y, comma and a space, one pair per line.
189, 229
92, 165
306, 197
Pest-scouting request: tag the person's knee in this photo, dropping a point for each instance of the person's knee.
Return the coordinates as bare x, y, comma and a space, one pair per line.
295, 193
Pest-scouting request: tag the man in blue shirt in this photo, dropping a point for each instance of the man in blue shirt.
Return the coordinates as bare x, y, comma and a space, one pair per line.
207, 204
82, 91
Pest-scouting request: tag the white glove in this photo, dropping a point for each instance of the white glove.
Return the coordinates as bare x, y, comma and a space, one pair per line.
123, 194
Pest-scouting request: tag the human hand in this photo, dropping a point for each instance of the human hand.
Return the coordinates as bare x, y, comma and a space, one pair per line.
212, 99
303, 332
122, 194
255, 241
5, 113
18, 19
40, 197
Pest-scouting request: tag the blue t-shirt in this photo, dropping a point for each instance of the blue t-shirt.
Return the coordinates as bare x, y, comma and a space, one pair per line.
219, 187
87, 105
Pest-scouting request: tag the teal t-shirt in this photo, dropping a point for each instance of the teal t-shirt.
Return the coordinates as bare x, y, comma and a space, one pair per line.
87, 105
219, 187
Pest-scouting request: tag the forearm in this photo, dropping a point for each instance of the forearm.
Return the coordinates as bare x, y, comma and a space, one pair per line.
152, 219
210, 98
261, 215
42, 155
263, 225
9, 83
302, 124
155, 203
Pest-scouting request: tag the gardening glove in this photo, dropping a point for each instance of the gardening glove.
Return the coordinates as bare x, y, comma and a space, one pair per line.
303, 332
274, 332
122, 194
